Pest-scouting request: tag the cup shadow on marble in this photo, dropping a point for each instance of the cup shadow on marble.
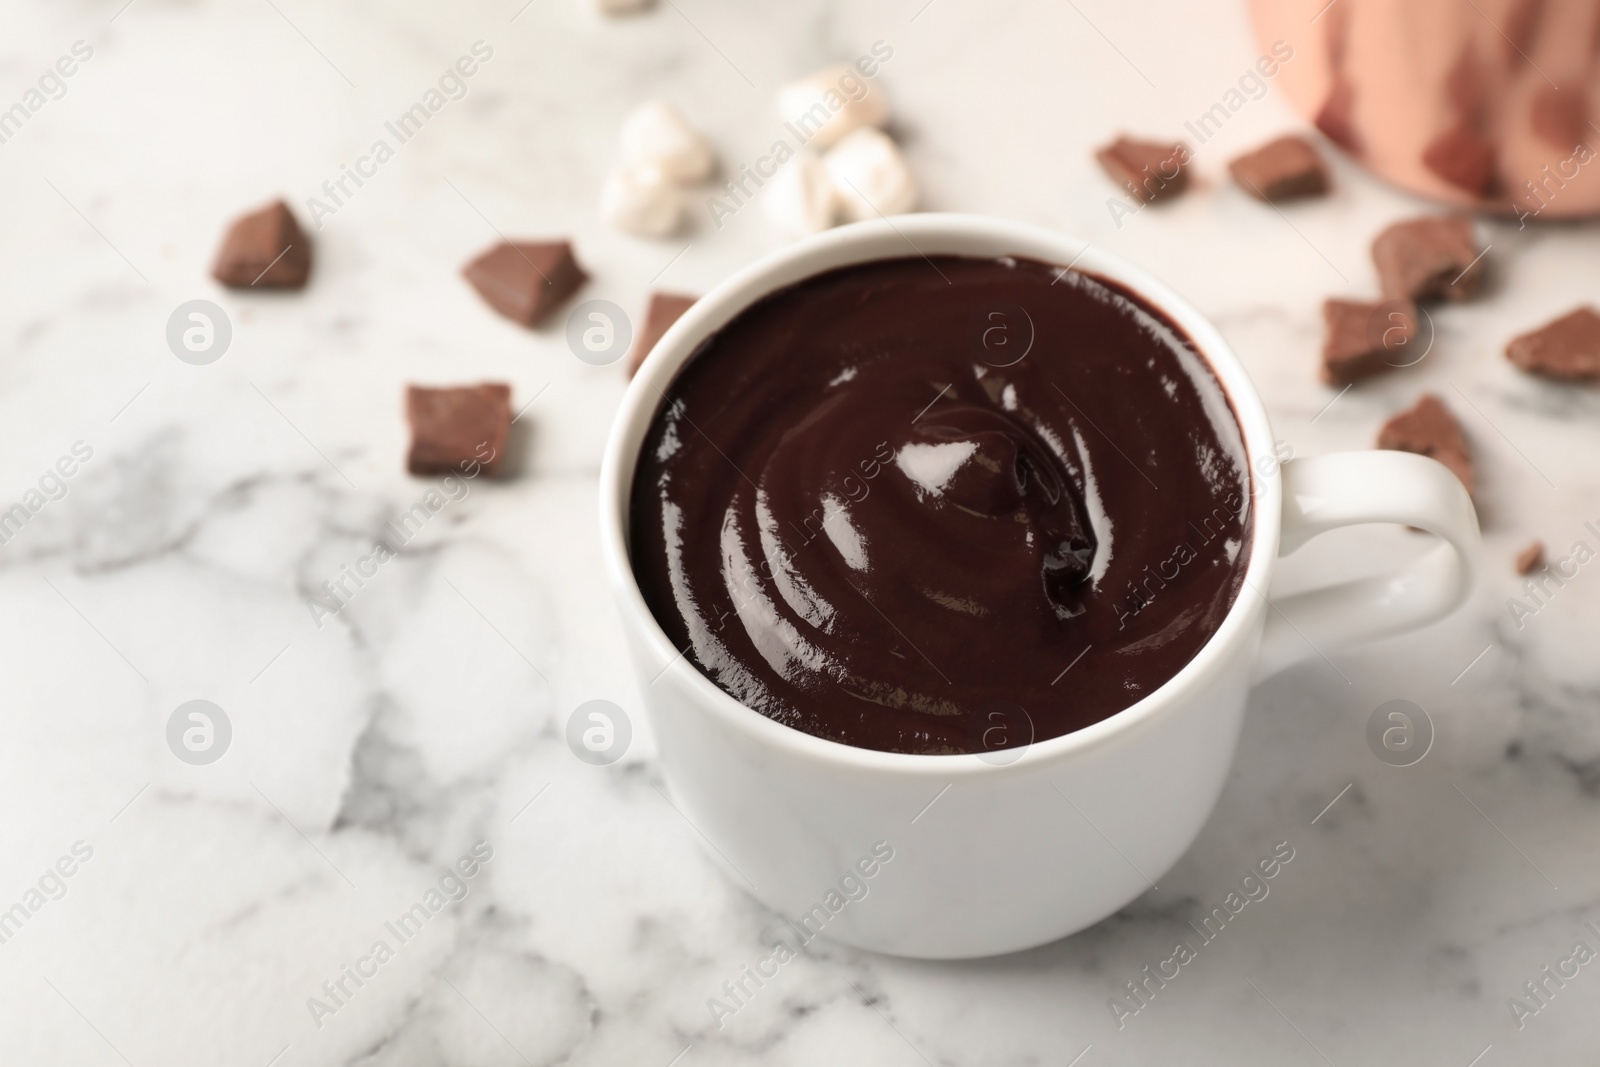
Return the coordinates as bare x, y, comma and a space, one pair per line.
1350, 890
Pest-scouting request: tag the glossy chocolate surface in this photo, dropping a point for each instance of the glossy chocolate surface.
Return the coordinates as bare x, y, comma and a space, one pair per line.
942, 505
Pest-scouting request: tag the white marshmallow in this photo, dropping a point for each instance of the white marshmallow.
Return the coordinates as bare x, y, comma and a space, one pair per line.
870, 176
821, 109
657, 134
623, 7
800, 199
641, 201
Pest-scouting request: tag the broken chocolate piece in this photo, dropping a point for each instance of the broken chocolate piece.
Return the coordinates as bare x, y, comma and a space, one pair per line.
1148, 170
1282, 170
1568, 349
1561, 117
1428, 429
665, 309
526, 280
454, 430
265, 249
1531, 558
1462, 157
1429, 259
1363, 339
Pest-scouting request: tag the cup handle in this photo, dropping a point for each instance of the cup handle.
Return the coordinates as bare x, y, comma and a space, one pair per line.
1323, 493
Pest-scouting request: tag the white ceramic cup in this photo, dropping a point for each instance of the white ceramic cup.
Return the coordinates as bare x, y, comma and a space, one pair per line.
990, 856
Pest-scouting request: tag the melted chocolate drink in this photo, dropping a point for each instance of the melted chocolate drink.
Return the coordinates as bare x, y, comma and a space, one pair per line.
902, 498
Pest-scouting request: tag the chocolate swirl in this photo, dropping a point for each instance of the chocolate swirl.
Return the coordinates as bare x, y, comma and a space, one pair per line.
880, 501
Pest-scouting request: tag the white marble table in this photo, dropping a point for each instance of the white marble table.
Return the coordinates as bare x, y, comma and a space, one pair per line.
370, 753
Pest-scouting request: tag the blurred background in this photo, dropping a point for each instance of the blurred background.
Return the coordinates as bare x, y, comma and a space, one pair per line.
212, 906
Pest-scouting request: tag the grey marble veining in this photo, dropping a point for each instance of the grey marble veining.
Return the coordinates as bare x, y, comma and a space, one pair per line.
374, 751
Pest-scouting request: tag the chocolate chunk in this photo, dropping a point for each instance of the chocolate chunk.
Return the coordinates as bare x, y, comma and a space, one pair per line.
1336, 118
1363, 339
1429, 259
1462, 157
265, 249
1567, 349
526, 280
1429, 429
1282, 170
1561, 117
1531, 558
1148, 170
453, 428
665, 309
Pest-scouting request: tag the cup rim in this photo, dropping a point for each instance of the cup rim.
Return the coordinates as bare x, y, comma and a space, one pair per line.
921, 234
